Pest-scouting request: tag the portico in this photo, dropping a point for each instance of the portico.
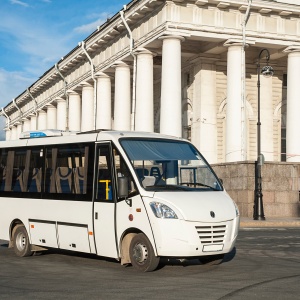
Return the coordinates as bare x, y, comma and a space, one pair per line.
182, 77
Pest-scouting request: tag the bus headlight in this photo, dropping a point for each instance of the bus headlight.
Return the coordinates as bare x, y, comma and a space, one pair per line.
237, 212
162, 211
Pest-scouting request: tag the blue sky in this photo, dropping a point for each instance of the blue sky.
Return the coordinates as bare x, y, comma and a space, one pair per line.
35, 34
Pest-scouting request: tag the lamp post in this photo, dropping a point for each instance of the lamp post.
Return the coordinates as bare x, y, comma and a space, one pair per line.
258, 212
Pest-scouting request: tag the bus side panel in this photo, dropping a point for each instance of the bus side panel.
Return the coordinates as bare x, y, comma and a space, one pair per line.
74, 238
43, 233
76, 214
134, 217
105, 229
5, 218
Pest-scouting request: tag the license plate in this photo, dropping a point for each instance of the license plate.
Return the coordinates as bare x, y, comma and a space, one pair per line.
212, 248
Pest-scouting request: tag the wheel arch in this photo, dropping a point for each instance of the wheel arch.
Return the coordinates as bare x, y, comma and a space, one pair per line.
13, 226
125, 241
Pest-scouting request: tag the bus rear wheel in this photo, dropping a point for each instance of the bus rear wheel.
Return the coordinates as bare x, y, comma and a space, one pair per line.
22, 246
142, 254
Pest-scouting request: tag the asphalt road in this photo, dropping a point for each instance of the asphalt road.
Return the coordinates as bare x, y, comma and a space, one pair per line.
264, 265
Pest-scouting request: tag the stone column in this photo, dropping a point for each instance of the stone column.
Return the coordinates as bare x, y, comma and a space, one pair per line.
19, 130
14, 133
26, 125
74, 111
122, 111
293, 105
7, 134
103, 118
205, 110
234, 134
33, 122
144, 113
87, 114
51, 117
42, 120
61, 114
171, 106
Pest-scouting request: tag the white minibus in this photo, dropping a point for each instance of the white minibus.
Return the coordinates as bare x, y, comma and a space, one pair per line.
132, 196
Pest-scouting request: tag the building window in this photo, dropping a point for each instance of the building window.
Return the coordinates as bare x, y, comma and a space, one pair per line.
284, 81
283, 144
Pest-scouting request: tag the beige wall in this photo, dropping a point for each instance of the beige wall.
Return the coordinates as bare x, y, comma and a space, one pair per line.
280, 187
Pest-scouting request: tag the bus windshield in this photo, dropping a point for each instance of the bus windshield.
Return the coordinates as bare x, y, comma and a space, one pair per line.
163, 165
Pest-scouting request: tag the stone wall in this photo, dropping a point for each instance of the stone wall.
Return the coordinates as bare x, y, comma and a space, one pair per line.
280, 187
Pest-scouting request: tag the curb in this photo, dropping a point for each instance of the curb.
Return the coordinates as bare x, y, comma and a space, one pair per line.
249, 223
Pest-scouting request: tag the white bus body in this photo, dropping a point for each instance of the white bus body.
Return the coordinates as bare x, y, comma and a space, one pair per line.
131, 196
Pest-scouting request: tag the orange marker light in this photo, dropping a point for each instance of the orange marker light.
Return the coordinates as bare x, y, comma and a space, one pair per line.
31, 226
138, 210
90, 232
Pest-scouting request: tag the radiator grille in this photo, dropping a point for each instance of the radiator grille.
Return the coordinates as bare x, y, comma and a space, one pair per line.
211, 234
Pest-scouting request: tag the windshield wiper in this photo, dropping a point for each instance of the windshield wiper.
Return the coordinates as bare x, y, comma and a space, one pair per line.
194, 184
190, 186
168, 187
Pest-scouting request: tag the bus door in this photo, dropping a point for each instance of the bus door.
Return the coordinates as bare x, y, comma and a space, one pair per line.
104, 202
111, 213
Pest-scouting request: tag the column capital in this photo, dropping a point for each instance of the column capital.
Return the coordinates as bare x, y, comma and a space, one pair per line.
50, 106
86, 84
234, 42
292, 49
144, 51
72, 92
172, 36
102, 75
41, 112
120, 64
59, 99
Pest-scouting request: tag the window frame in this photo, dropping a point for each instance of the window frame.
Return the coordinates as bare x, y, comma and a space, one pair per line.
89, 173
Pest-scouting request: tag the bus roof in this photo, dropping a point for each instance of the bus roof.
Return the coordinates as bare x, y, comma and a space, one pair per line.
54, 136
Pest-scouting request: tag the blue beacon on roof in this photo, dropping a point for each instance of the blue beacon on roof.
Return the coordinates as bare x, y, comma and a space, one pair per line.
37, 134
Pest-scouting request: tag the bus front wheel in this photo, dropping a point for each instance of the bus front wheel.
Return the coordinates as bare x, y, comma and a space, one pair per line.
142, 254
22, 246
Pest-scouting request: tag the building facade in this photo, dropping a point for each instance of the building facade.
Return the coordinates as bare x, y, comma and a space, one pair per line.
182, 67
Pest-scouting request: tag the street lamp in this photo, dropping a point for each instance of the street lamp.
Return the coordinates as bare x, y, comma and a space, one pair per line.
267, 71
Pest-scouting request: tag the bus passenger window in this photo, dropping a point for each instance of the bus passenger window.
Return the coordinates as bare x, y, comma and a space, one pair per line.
33, 170
69, 171
64, 180
3, 162
2, 177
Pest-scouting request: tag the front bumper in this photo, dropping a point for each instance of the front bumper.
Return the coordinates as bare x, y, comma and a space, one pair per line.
180, 238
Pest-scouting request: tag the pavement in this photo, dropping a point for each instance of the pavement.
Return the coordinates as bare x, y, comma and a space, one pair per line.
269, 222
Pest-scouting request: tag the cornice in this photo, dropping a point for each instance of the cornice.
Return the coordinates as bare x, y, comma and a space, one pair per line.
257, 6
113, 29
105, 33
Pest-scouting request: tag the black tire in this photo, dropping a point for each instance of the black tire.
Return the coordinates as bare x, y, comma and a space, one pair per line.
22, 246
142, 254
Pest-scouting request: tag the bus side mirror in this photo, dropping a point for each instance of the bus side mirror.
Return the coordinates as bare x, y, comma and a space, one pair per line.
123, 187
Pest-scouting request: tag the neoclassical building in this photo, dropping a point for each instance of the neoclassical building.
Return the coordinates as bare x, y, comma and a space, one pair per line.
182, 67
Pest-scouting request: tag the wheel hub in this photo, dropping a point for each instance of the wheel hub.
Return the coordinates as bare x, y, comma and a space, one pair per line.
21, 241
140, 253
